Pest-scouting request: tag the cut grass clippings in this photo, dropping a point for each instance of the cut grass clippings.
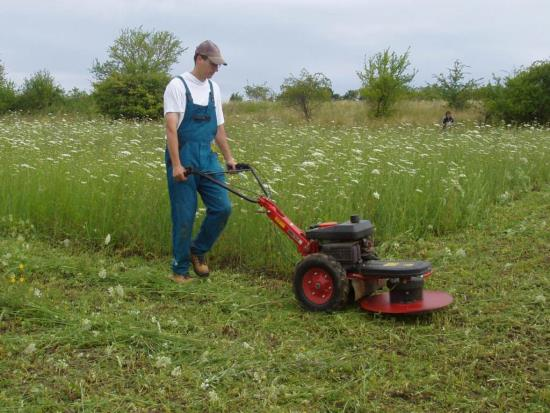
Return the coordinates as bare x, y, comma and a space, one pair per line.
85, 331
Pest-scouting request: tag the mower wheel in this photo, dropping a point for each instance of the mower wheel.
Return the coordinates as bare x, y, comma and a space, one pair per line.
320, 283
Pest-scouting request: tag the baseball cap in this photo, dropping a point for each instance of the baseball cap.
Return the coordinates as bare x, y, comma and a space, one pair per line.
209, 48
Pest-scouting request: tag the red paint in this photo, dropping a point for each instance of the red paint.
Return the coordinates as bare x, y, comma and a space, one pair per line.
431, 300
318, 286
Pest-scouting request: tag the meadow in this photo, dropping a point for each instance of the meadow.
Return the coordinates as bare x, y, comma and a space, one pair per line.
89, 320
85, 180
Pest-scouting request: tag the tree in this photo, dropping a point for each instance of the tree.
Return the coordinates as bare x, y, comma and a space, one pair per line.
134, 77
522, 97
7, 92
453, 88
139, 51
40, 92
235, 97
384, 80
258, 92
306, 92
352, 94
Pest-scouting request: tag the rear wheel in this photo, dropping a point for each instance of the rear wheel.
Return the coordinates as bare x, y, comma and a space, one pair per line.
320, 283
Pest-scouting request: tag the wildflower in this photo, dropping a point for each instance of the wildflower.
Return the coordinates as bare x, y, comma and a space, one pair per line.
66, 243
37, 293
12, 278
21, 279
376, 195
460, 252
176, 371
540, 299
205, 384
31, 348
86, 324
247, 346
102, 273
162, 362
375, 172
107, 239
21, 267
213, 396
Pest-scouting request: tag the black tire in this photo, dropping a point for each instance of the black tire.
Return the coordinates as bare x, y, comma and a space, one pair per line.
320, 283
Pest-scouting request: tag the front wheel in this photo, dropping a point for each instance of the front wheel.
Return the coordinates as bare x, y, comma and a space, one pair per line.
320, 283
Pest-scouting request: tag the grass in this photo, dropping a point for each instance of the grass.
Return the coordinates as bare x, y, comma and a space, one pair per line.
99, 331
83, 180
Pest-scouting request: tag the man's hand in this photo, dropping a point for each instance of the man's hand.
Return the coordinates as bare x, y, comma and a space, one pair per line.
231, 165
178, 173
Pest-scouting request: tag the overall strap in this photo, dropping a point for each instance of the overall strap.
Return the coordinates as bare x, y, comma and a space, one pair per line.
187, 91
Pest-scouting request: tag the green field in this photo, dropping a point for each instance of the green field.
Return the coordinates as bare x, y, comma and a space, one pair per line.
81, 180
89, 320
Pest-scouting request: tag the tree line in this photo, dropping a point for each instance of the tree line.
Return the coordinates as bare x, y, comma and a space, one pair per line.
131, 82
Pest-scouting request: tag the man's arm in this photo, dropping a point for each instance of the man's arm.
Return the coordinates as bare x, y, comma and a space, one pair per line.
223, 144
173, 145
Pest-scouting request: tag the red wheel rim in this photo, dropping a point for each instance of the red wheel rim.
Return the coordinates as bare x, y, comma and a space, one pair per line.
318, 285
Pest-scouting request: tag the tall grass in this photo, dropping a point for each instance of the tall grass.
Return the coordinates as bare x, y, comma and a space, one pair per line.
84, 179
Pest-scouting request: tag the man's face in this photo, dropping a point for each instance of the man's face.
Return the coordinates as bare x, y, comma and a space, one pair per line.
207, 67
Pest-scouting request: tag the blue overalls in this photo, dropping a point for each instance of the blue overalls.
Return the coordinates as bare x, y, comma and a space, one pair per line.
195, 135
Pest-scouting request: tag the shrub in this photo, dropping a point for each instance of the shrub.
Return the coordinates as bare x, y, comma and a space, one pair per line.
40, 93
523, 97
452, 87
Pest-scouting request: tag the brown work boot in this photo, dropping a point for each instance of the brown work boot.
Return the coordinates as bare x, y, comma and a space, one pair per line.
199, 265
181, 279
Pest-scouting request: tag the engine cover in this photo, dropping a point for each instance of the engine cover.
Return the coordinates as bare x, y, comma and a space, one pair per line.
344, 252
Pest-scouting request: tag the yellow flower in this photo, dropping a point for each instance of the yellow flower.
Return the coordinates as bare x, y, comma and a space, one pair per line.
12, 278
21, 267
21, 279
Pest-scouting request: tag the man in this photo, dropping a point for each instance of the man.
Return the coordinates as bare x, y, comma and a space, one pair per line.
194, 119
448, 120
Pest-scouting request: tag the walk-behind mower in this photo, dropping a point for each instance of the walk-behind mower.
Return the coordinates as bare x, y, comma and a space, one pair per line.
339, 263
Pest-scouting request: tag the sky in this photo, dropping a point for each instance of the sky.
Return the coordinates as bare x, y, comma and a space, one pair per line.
267, 41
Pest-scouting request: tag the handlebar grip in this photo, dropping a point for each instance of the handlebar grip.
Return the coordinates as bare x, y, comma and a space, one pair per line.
187, 170
242, 166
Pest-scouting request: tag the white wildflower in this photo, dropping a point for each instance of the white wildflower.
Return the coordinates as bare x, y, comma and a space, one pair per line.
376, 195
162, 362
247, 346
66, 242
176, 371
213, 396
460, 252
540, 299
37, 293
107, 239
86, 324
31, 348
102, 273
375, 172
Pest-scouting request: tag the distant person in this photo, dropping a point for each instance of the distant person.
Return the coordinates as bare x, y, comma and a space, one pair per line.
194, 120
448, 120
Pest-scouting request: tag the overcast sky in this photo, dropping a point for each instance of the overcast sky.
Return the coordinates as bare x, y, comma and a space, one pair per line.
266, 41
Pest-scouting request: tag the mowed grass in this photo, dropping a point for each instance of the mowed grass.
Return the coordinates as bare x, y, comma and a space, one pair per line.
84, 180
97, 331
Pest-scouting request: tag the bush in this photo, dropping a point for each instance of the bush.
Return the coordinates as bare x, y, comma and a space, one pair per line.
40, 93
137, 95
452, 87
131, 82
523, 97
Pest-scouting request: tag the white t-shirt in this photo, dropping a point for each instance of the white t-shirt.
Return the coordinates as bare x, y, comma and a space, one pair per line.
175, 100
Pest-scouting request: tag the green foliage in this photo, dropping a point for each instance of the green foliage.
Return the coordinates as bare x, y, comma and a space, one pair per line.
40, 93
139, 51
132, 81
79, 101
131, 95
306, 92
523, 97
385, 80
236, 97
258, 92
7, 92
352, 94
453, 88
